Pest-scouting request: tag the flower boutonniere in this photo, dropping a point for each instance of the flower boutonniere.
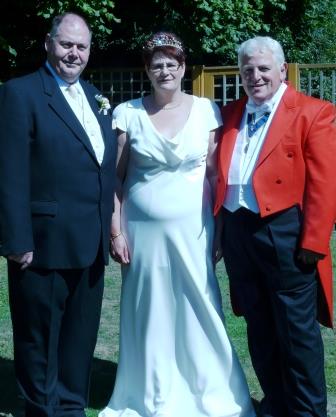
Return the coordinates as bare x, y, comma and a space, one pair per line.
104, 104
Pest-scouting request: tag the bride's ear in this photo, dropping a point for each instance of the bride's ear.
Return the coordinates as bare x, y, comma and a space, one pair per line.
183, 66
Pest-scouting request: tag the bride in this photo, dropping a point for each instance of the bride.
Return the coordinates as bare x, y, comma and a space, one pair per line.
175, 357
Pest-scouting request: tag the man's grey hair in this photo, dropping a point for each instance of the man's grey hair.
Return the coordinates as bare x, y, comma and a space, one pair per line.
57, 20
261, 44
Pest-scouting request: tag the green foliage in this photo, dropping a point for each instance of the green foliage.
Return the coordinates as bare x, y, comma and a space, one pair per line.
222, 24
6, 47
210, 29
306, 29
99, 14
316, 41
24, 23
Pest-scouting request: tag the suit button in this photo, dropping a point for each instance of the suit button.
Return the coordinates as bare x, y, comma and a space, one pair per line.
268, 208
290, 154
278, 181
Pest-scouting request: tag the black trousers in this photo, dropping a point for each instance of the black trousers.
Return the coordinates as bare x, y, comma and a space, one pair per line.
55, 316
277, 297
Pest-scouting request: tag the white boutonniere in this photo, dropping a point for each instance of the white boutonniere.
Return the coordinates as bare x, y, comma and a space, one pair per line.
104, 104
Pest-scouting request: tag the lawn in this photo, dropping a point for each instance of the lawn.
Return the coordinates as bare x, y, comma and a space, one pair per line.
106, 354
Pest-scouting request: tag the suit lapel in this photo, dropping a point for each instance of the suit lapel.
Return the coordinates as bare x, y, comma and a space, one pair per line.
61, 107
280, 123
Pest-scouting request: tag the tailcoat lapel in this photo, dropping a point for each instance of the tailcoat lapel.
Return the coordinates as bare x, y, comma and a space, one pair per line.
281, 122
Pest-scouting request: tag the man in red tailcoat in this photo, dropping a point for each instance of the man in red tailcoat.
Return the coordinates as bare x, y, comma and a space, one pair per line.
275, 208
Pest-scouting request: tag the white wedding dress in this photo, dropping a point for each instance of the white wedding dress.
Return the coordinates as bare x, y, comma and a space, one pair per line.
175, 357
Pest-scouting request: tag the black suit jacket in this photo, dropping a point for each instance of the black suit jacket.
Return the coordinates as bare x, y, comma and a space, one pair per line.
55, 199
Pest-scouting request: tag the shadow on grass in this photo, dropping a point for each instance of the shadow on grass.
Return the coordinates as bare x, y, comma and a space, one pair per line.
102, 382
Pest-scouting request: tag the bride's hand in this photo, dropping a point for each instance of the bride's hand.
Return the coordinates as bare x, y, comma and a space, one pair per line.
119, 249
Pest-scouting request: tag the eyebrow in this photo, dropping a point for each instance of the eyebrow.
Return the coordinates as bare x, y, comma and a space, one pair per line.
164, 63
256, 66
64, 42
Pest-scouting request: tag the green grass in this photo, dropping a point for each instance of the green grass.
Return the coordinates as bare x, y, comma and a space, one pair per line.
106, 354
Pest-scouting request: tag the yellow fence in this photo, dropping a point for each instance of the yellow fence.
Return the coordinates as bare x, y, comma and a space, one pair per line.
221, 84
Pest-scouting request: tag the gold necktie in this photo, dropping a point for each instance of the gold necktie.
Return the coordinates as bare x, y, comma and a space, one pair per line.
76, 95
93, 132
73, 92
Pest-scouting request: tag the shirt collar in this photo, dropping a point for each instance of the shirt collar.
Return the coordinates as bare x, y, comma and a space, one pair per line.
61, 83
267, 107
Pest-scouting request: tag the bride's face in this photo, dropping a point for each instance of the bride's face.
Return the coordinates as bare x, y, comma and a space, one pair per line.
165, 73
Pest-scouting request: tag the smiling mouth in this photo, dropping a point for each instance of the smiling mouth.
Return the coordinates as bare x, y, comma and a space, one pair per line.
71, 64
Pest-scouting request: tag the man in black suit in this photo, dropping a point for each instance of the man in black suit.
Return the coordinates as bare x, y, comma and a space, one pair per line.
57, 157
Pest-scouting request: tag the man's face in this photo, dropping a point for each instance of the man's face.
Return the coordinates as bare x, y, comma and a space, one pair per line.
68, 52
261, 75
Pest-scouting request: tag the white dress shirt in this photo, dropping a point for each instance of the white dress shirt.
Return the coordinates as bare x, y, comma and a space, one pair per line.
240, 191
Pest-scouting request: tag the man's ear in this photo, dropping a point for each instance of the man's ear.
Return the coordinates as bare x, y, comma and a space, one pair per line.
283, 71
47, 42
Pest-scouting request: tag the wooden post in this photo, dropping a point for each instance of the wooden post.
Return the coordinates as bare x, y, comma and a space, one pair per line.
197, 76
294, 75
209, 90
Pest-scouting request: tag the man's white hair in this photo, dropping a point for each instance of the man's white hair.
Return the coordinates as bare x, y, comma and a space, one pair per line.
261, 44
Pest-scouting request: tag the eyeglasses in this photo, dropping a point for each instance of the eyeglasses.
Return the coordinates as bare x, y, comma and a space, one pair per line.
157, 68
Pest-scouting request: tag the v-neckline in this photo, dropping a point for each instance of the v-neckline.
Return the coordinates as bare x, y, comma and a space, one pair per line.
161, 135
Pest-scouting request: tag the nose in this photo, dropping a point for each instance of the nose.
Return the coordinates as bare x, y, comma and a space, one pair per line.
74, 50
256, 74
164, 69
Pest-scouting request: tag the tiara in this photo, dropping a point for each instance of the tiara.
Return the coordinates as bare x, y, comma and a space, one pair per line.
163, 40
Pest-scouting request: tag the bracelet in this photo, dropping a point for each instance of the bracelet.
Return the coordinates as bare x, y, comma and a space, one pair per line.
115, 236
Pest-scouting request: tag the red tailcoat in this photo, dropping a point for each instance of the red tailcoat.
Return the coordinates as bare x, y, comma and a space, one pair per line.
296, 165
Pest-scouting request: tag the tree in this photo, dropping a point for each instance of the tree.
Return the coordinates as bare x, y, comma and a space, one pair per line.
210, 29
97, 12
24, 24
306, 29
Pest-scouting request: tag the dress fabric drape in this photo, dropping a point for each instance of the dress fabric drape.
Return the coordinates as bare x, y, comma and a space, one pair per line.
176, 359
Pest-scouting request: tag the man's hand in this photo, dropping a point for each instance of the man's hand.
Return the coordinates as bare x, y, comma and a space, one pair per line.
309, 257
24, 259
217, 252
